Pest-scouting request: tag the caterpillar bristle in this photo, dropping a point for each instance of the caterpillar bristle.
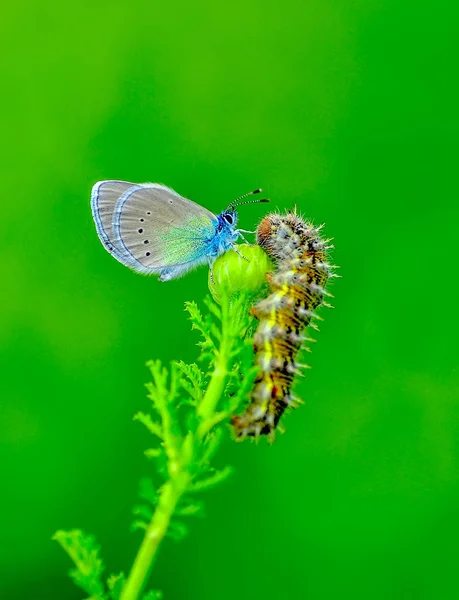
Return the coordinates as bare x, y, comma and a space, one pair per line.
297, 289
297, 402
327, 305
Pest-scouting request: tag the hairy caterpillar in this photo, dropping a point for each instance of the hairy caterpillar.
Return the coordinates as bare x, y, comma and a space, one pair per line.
297, 288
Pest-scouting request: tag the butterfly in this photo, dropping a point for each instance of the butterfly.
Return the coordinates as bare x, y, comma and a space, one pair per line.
150, 228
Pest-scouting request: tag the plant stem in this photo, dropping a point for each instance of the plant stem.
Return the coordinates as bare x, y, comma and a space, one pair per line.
216, 386
234, 314
217, 383
169, 497
180, 477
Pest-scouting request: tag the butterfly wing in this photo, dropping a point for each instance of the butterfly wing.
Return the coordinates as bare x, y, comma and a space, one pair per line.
104, 196
159, 231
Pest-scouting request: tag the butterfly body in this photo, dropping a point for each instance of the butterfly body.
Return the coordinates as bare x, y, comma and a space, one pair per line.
151, 229
216, 239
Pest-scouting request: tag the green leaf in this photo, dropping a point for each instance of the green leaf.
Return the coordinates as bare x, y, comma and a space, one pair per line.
211, 444
177, 530
84, 552
213, 307
115, 584
147, 491
142, 510
193, 509
244, 389
202, 325
163, 398
153, 452
215, 331
193, 382
212, 480
153, 595
145, 419
138, 525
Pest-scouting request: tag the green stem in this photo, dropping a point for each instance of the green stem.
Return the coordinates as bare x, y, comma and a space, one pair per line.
216, 386
217, 383
180, 477
170, 495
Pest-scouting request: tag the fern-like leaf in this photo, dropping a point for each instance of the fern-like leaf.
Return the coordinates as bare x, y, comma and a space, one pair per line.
147, 491
191, 509
145, 419
203, 325
144, 511
177, 530
244, 388
84, 552
138, 525
194, 381
115, 585
214, 479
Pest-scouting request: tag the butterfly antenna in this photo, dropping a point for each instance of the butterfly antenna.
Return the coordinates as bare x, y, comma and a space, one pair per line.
237, 202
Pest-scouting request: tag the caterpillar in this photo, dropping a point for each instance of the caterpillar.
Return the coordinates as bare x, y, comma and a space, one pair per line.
297, 288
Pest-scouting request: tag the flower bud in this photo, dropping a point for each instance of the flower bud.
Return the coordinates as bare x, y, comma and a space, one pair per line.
235, 276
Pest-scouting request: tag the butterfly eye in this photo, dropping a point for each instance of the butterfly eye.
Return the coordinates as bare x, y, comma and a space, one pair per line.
229, 219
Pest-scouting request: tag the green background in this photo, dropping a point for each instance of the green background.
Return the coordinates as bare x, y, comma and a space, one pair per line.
349, 110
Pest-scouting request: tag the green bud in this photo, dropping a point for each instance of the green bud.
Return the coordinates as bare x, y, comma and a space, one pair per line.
234, 276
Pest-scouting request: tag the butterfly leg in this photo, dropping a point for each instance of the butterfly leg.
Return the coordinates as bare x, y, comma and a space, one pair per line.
211, 262
239, 231
234, 247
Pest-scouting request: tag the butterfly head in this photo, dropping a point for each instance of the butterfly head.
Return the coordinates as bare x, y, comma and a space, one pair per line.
229, 216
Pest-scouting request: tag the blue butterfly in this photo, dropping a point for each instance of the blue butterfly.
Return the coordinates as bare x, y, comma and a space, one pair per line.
151, 229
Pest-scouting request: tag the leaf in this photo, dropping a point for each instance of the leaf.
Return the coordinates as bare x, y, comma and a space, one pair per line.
158, 392
193, 381
244, 389
84, 552
202, 325
212, 480
211, 444
177, 530
142, 510
147, 491
216, 332
153, 452
163, 398
213, 307
115, 584
207, 356
194, 509
145, 419
138, 524
153, 595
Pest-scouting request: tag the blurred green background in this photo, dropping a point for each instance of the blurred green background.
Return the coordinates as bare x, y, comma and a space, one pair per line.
349, 110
